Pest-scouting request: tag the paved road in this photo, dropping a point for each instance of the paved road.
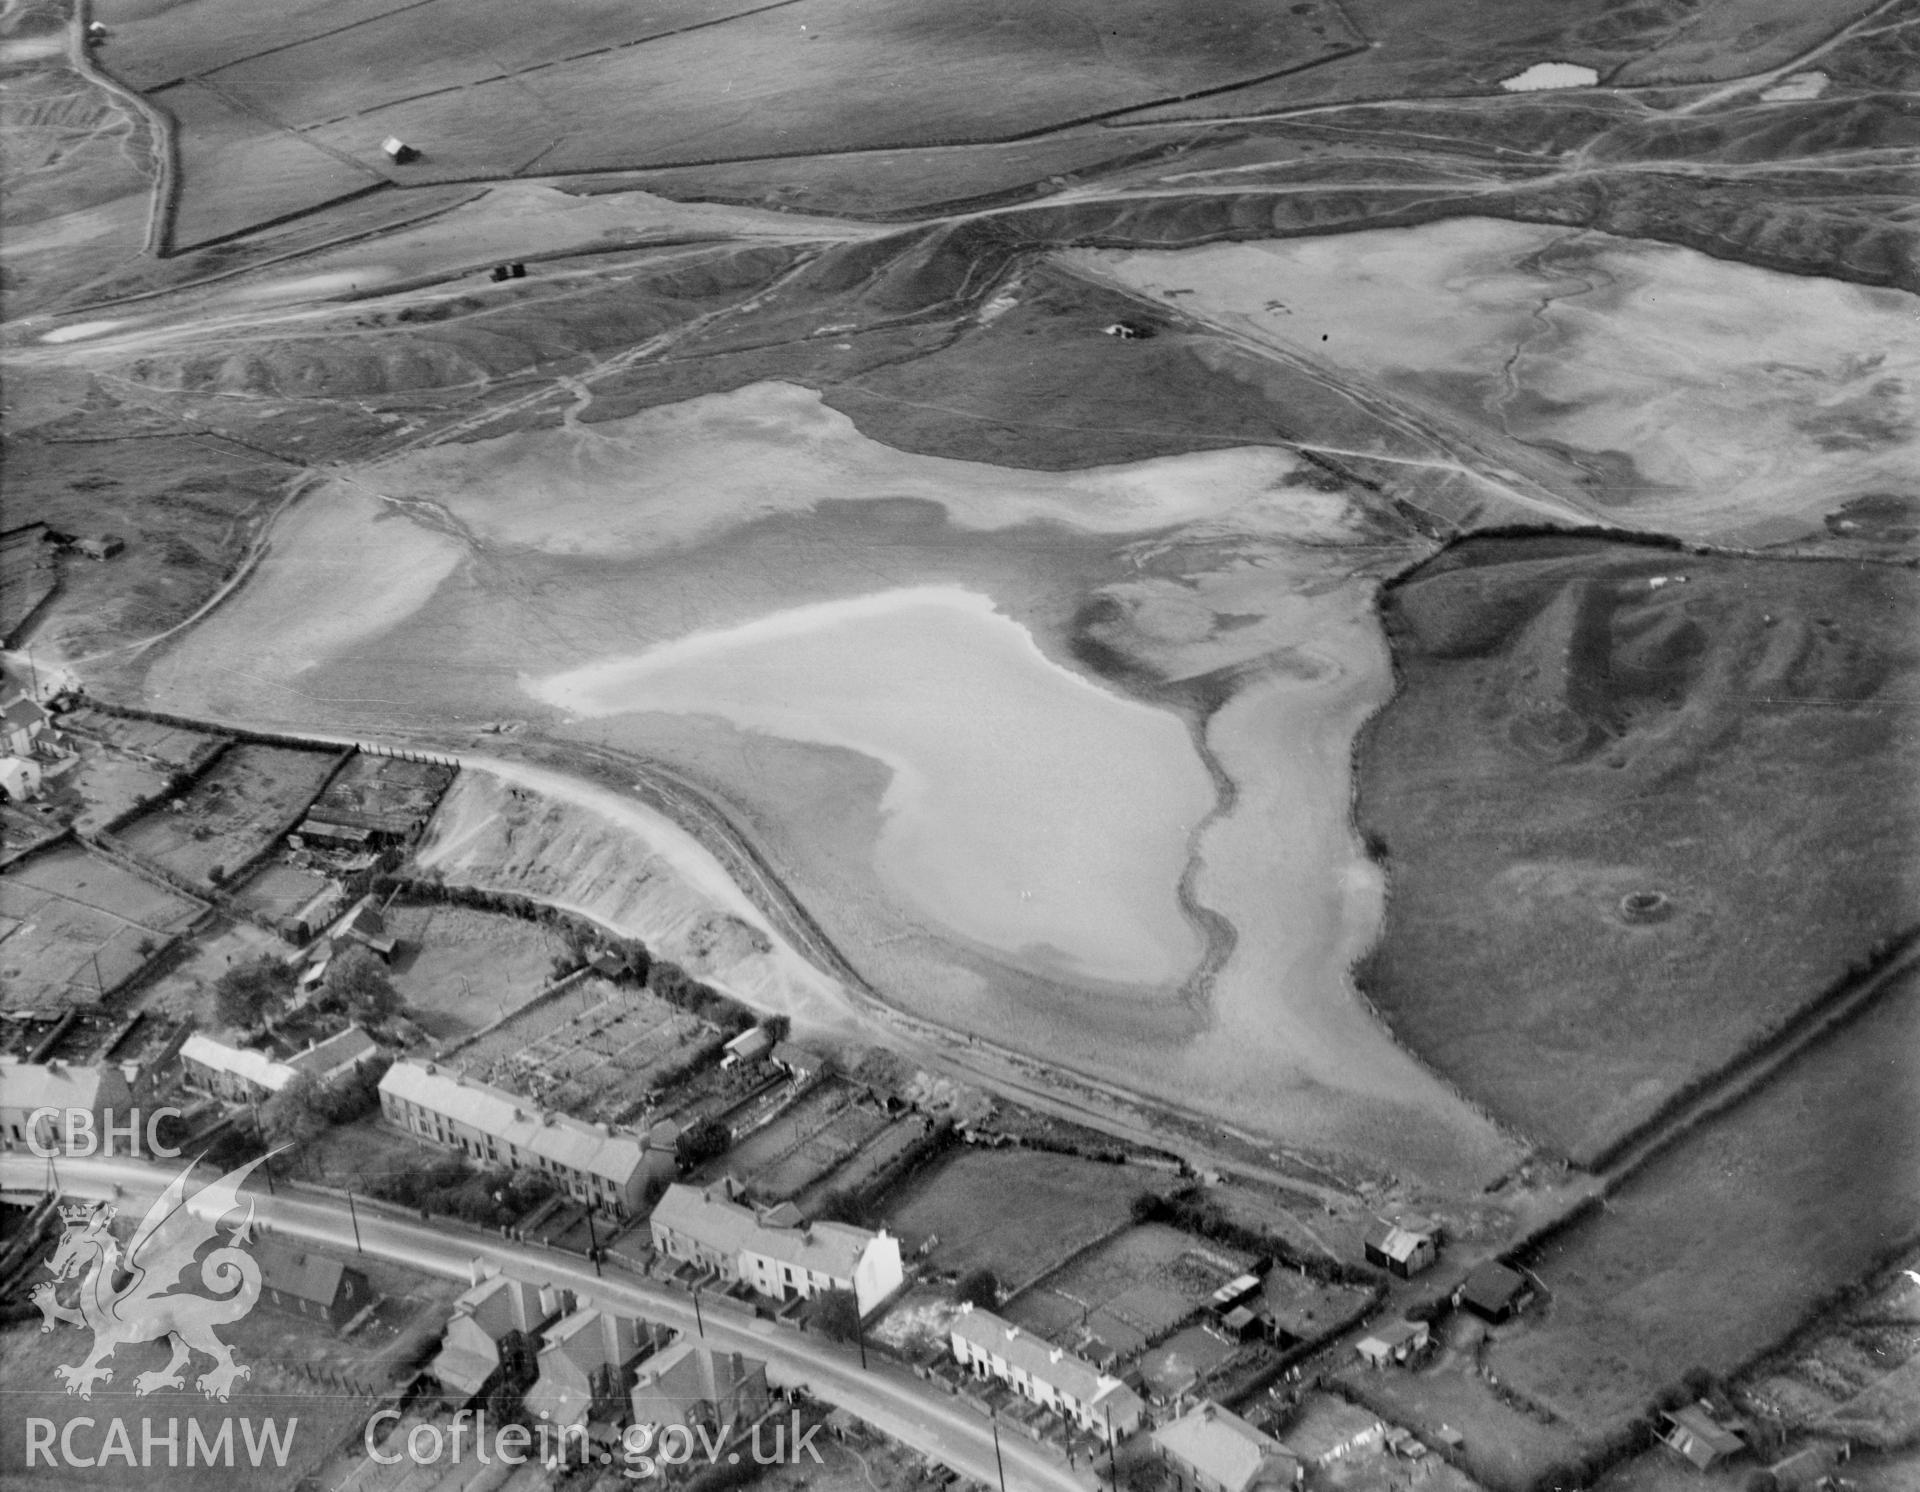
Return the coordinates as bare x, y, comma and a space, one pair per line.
886, 1396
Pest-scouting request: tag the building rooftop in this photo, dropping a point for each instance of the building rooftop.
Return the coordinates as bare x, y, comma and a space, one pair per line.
705, 1213
566, 1141
1399, 1241
1067, 1372
59, 1085
298, 1272
242, 1062
1225, 1450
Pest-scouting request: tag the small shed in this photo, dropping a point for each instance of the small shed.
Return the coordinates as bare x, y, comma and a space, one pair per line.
1493, 1292
398, 151
1693, 1432
1241, 1325
797, 1062
1404, 1248
1402, 1342
100, 546
1234, 1294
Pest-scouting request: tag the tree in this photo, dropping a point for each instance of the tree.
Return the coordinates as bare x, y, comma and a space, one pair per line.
248, 993
979, 1288
358, 980
293, 1116
702, 1141
837, 1314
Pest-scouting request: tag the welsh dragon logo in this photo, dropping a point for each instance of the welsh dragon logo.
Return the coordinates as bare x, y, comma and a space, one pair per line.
133, 1297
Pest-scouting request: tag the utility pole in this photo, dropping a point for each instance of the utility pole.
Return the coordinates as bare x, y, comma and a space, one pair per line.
593, 1243
1113, 1458
699, 1325
354, 1213
1000, 1466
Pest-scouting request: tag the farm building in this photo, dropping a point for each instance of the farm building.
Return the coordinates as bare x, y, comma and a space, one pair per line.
304, 1283
1494, 1292
778, 1253
1211, 1449
1050, 1376
797, 1062
748, 1046
689, 1383
1693, 1432
36, 1099
1401, 1342
1404, 1249
491, 1323
605, 1170
100, 546
364, 924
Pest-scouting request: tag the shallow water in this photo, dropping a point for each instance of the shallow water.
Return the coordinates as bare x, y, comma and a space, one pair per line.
1029, 808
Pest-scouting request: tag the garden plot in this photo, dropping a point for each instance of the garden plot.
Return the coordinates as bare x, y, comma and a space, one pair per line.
1129, 1291
856, 1172
164, 745
252, 795
74, 926
279, 890
597, 1052
386, 793
823, 1128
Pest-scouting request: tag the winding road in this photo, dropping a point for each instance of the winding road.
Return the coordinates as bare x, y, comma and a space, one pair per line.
885, 1395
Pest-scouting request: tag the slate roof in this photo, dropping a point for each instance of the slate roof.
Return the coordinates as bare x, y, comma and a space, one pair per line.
297, 1272
723, 1225
492, 1111
1226, 1450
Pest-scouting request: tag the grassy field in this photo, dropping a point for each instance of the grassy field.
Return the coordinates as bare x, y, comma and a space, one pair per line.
1568, 733
462, 969
232, 813
604, 86
237, 170
1016, 1212
1722, 1245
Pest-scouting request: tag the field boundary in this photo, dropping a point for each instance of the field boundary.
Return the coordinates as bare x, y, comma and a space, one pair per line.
1747, 1070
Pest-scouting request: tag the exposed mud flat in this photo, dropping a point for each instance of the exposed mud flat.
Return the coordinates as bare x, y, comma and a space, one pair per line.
1006, 769
1685, 395
996, 801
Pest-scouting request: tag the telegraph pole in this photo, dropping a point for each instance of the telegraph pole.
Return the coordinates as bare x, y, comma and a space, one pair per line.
593, 1244
699, 1325
1113, 1457
1000, 1466
354, 1213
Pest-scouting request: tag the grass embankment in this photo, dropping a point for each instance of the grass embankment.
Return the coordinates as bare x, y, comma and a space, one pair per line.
1581, 722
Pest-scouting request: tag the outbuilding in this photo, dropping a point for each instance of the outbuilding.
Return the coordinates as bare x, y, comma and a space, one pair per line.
1403, 1248
1493, 1292
1693, 1432
1402, 1342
